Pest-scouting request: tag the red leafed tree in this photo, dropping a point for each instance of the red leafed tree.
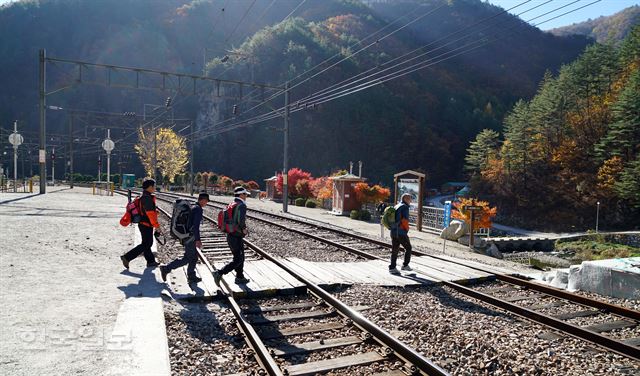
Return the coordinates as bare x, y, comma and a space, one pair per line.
294, 175
303, 188
253, 185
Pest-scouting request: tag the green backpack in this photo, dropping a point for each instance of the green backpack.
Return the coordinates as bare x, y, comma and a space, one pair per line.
389, 217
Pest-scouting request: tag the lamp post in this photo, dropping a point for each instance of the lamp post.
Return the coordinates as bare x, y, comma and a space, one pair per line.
597, 214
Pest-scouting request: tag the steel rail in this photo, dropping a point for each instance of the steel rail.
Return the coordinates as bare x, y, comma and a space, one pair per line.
400, 349
573, 330
562, 294
260, 350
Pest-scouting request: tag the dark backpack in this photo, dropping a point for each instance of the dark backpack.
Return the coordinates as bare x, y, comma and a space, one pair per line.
226, 222
181, 219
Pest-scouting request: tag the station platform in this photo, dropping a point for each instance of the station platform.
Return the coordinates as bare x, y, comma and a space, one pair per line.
67, 306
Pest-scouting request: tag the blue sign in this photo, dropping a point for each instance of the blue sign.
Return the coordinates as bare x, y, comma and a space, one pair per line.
447, 214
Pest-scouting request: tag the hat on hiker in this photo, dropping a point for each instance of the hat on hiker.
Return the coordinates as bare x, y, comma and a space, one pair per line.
240, 191
203, 195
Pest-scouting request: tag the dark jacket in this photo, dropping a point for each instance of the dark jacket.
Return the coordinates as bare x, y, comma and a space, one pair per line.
196, 219
148, 210
402, 220
240, 217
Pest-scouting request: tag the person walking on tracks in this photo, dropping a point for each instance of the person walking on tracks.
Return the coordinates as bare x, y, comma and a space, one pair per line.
400, 235
233, 222
147, 224
190, 244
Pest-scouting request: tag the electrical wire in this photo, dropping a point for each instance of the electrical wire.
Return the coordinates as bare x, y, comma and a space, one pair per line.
405, 71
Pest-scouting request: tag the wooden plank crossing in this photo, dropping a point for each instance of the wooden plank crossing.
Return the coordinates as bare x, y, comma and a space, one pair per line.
268, 279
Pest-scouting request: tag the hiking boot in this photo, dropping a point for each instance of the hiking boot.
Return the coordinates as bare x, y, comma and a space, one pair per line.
125, 262
194, 279
394, 271
153, 264
164, 272
217, 277
406, 267
242, 280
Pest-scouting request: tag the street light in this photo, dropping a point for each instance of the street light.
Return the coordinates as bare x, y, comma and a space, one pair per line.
597, 214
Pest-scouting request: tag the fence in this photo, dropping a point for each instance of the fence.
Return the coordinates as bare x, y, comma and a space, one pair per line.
23, 185
433, 219
103, 188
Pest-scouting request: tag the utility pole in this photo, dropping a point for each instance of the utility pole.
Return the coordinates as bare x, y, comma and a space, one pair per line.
42, 155
285, 172
53, 166
108, 146
71, 151
192, 157
99, 168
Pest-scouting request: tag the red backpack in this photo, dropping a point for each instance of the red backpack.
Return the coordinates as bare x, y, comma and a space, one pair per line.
226, 222
133, 213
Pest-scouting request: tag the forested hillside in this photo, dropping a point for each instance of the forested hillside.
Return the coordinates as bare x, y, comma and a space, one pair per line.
424, 120
606, 29
576, 143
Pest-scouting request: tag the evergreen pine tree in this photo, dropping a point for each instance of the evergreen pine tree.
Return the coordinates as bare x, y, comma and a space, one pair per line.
484, 147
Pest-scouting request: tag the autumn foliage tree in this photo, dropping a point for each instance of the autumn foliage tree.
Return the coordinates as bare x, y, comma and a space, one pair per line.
293, 176
575, 143
322, 188
170, 149
366, 194
482, 218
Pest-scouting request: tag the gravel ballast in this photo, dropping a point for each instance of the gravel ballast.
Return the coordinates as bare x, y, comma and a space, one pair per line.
467, 337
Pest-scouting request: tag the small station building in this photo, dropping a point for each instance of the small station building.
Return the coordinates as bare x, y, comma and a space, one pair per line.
272, 191
344, 197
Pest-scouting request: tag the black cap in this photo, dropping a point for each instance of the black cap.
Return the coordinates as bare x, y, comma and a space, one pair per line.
203, 195
148, 183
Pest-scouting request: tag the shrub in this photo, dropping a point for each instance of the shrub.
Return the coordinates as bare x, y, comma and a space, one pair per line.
365, 215
300, 201
355, 214
310, 204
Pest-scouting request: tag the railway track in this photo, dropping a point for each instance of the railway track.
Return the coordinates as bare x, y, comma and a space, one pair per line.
278, 332
554, 308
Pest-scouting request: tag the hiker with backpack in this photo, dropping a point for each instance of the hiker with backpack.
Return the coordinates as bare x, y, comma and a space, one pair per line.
232, 221
396, 219
145, 210
185, 225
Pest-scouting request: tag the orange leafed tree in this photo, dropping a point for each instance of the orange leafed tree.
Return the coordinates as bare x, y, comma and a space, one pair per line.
366, 194
486, 214
322, 188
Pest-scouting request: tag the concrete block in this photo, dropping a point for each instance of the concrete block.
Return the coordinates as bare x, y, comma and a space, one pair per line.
619, 278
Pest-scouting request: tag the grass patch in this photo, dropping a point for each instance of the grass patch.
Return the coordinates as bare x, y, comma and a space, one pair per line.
595, 248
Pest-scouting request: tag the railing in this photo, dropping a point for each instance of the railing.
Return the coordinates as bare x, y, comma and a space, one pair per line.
433, 219
21, 186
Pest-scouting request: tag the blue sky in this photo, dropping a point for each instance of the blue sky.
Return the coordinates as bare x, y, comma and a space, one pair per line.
602, 8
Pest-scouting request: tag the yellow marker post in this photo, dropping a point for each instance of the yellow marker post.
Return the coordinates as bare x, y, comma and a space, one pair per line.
30, 185
94, 189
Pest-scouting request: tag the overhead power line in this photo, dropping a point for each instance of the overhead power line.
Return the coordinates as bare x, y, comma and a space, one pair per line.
459, 51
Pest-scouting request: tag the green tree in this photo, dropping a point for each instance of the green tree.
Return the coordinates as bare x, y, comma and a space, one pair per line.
628, 186
623, 137
484, 147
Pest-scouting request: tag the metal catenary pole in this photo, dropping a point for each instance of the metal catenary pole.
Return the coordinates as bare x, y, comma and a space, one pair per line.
71, 151
285, 167
15, 157
53, 166
42, 154
191, 156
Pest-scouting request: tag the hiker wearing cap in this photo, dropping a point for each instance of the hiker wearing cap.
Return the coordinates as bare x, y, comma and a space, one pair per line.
234, 238
400, 235
190, 244
147, 224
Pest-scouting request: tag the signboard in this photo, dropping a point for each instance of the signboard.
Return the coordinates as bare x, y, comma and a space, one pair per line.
42, 156
412, 187
16, 139
472, 208
447, 214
